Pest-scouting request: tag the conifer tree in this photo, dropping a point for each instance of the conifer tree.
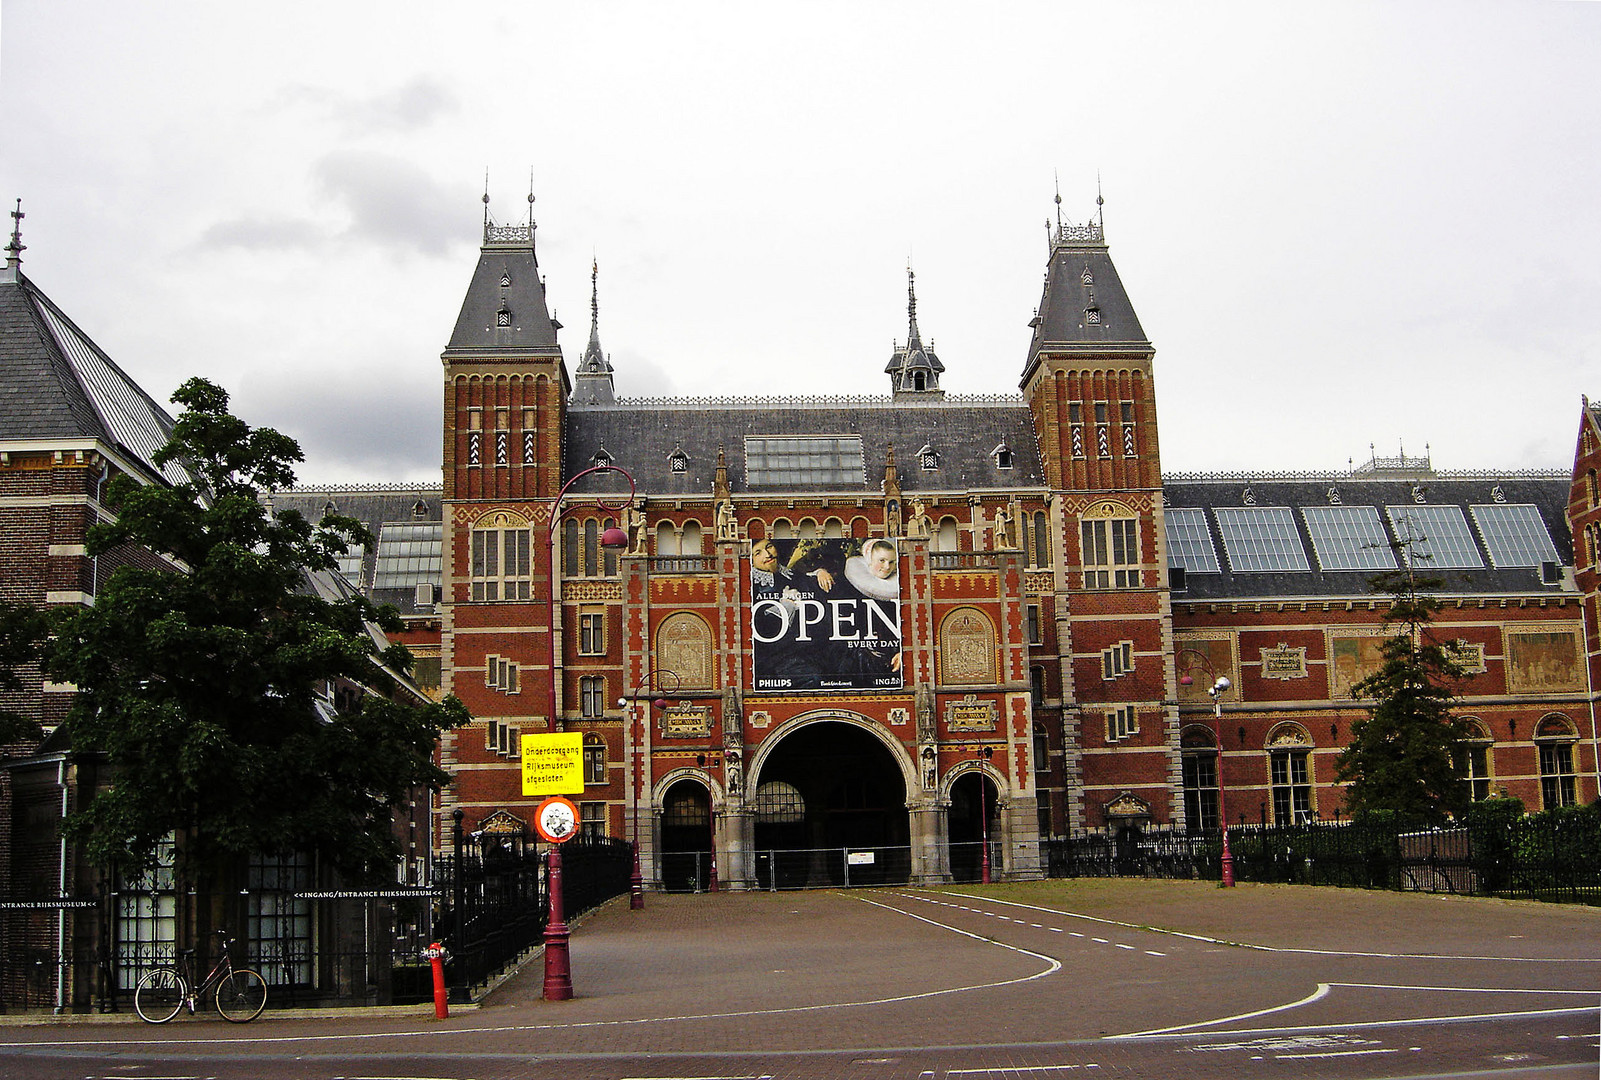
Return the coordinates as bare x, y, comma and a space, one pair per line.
1401, 756
206, 687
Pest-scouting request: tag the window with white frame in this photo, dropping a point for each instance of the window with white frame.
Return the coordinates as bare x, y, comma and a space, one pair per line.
500, 673
1111, 553
1290, 774
1118, 660
501, 569
1473, 762
592, 819
594, 760
592, 696
1122, 723
591, 632
502, 738
1555, 736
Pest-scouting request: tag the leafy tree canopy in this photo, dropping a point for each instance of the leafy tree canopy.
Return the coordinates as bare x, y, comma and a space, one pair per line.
207, 687
1401, 756
22, 633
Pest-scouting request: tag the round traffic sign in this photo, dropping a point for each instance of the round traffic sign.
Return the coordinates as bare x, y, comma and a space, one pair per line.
556, 820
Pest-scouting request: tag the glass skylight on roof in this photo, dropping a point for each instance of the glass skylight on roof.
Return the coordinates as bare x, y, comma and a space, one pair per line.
1189, 541
1515, 534
409, 554
350, 563
1260, 538
1348, 538
1439, 534
804, 461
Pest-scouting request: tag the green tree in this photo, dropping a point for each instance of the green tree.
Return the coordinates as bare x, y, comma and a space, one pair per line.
1401, 757
22, 635
206, 687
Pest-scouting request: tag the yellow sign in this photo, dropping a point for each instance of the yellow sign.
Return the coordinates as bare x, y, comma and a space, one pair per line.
553, 764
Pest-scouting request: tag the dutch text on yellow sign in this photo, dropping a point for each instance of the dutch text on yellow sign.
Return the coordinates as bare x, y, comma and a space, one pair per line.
553, 764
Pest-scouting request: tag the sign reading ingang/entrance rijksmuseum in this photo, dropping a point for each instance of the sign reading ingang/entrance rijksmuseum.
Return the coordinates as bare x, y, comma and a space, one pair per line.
825, 614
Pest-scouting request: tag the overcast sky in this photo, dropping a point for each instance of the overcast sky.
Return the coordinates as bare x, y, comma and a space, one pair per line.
1340, 224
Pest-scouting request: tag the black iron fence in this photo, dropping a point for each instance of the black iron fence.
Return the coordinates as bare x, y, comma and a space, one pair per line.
487, 904
1544, 857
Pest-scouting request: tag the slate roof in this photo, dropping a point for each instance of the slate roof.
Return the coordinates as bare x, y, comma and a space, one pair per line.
1074, 311
374, 506
1547, 492
642, 437
56, 384
505, 279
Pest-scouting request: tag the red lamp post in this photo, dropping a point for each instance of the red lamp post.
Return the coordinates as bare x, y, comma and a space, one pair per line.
558, 966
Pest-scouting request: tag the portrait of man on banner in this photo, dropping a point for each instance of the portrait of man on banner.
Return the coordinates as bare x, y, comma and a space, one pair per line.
825, 614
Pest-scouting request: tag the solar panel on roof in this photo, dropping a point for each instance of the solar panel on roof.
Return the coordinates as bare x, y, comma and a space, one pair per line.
1436, 537
1515, 534
1348, 538
1189, 541
1260, 538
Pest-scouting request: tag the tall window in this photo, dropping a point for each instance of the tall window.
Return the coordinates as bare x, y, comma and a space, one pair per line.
1036, 685
1122, 723
591, 633
1556, 775
581, 554
1200, 788
1126, 418
592, 697
594, 760
500, 564
1037, 540
277, 924
592, 819
1118, 660
147, 925
1473, 761
1291, 774
1111, 551
1032, 614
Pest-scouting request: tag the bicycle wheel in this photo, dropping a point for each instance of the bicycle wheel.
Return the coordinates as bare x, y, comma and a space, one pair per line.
159, 995
242, 996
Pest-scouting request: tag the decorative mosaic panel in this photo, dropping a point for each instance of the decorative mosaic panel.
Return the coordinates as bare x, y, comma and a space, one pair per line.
687, 722
967, 648
1543, 660
1284, 662
970, 714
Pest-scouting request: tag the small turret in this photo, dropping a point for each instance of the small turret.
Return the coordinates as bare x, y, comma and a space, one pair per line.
914, 370
594, 382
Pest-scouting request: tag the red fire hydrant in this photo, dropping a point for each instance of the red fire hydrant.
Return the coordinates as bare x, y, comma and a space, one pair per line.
436, 953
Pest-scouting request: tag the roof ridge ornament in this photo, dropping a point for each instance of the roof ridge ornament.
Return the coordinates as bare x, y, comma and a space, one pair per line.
16, 247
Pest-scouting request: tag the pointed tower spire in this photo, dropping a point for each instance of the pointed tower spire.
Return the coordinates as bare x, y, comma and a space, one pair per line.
594, 381
16, 247
914, 370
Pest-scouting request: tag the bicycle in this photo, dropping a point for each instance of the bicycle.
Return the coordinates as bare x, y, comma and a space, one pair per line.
240, 993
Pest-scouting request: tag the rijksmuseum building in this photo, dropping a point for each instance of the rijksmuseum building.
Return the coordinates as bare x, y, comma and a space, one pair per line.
880, 630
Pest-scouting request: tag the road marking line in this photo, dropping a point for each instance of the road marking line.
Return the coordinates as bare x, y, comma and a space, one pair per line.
1275, 949
1319, 994
1052, 966
1335, 1053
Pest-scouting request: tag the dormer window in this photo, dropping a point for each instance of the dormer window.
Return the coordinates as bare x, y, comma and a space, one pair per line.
1092, 316
601, 457
1087, 278
928, 458
419, 510
919, 380
678, 461
1003, 456
505, 279
503, 317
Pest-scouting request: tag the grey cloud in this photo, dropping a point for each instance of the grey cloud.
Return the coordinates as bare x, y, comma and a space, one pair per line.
412, 105
353, 431
281, 235
393, 202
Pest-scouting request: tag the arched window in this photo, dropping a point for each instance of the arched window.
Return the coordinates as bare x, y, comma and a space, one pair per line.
782, 530
689, 541
1556, 736
500, 565
570, 550
807, 530
1198, 751
1289, 750
1474, 760
666, 539
834, 528
946, 536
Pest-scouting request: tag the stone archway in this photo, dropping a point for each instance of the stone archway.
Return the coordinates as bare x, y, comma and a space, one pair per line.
828, 805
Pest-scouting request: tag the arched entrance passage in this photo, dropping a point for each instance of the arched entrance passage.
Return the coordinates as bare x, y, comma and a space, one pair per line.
686, 837
974, 799
829, 808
